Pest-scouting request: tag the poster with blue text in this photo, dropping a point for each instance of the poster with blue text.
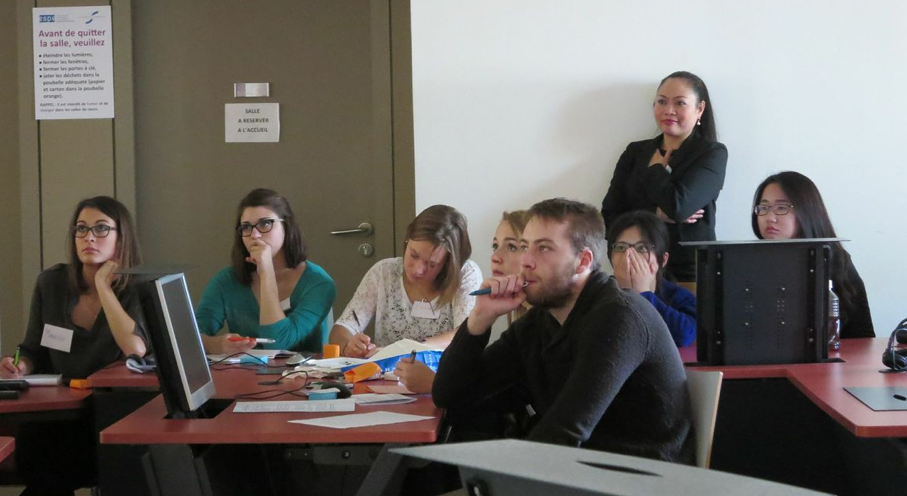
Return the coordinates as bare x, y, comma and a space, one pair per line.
73, 63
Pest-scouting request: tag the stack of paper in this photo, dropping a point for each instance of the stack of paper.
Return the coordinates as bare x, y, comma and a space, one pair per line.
344, 405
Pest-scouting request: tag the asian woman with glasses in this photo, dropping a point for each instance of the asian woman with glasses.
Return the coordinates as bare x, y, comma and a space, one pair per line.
271, 291
638, 250
788, 205
83, 317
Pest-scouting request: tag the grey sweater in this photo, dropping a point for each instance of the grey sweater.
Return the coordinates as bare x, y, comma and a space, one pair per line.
609, 379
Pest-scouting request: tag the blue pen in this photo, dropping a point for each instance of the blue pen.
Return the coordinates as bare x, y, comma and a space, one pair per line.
485, 291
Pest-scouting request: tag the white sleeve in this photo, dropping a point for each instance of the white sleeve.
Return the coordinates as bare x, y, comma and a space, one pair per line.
361, 309
470, 280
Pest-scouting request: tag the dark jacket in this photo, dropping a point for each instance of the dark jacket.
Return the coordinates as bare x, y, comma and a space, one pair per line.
696, 178
856, 321
609, 379
91, 349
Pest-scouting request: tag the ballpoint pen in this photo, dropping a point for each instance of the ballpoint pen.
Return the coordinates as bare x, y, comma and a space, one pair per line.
257, 340
485, 291
16, 357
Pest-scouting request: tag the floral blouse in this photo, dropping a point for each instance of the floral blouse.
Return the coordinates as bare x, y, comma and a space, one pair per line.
381, 296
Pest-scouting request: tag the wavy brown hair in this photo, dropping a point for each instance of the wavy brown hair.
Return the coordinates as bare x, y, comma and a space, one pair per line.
127, 253
294, 245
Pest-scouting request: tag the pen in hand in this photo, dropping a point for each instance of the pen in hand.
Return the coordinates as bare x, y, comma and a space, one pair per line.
16, 357
257, 340
486, 291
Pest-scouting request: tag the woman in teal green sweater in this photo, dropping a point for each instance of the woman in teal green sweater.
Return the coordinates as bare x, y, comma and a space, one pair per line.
271, 290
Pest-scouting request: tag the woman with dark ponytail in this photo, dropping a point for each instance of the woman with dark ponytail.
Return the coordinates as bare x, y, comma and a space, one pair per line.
676, 175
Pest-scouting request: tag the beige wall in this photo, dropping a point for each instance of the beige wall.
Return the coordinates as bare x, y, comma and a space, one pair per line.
10, 249
46, 166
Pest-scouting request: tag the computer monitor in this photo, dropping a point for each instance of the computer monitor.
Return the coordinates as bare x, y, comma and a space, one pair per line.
182, 367
762, 302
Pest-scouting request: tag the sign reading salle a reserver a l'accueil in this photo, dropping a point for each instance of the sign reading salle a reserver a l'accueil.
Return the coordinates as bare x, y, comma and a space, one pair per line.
73, 63
252, 122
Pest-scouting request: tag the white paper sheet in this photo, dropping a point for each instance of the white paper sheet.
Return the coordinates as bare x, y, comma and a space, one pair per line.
362, 420
401, 347
344, 405
382, 399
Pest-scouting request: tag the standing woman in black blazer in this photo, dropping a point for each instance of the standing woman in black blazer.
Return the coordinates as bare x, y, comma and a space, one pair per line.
676, 175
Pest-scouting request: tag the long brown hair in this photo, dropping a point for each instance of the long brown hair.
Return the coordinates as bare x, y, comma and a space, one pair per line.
294, 245
443, 226
127, 252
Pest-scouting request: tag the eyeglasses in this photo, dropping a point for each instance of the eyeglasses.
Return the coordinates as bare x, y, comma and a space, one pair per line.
263, 226
778, 209
99, 230
642, 248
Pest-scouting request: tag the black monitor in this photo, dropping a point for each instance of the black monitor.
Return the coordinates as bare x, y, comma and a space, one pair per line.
762, 302
182, 366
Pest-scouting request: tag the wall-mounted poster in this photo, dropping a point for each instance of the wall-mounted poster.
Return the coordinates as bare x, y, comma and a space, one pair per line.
73, 63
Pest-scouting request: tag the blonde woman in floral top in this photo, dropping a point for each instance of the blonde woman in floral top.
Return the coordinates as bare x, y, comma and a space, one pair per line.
422, 296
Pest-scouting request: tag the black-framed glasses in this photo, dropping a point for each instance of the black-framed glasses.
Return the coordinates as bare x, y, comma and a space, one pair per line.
263, 226
778, 209
640, 247
99, 230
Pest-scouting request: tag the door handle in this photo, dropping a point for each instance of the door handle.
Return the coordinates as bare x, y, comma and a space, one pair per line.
365, 229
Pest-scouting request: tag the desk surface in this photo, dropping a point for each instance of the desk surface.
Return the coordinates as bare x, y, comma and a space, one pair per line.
118, 376
824, 383
147, 425
46, 398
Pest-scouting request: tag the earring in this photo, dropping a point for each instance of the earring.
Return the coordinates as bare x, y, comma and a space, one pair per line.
699, 122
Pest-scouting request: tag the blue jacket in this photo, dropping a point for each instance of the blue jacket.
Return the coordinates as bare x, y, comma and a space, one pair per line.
677, 307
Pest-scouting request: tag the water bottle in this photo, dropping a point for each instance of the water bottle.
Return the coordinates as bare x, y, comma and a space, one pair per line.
834, 320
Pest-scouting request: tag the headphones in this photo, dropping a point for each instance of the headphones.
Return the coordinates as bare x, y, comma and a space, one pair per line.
896, 358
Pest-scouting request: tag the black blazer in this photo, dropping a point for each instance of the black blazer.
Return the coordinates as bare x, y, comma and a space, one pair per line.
697, 176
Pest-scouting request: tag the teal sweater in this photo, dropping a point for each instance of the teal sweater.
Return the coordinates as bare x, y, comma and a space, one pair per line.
304, 328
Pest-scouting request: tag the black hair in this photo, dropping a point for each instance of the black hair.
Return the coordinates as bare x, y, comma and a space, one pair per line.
653, 232
812, 222
707, 127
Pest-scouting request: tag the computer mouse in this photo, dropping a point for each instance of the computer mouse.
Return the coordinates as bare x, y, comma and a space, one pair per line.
344, 391
297, 359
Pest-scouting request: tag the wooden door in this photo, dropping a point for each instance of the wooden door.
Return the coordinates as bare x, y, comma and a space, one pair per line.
329, 68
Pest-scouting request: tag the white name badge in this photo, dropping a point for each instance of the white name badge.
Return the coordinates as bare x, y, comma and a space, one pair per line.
423, 310
57, 338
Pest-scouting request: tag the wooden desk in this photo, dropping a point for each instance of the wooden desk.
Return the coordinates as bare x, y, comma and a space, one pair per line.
795, 423
118, 376
148, 424
824, 383
173, 443
46, 399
